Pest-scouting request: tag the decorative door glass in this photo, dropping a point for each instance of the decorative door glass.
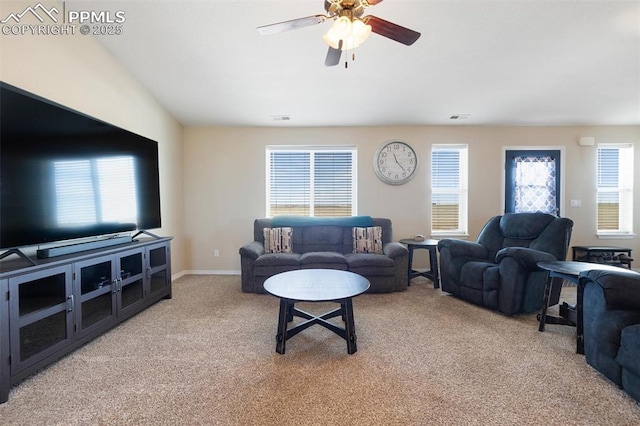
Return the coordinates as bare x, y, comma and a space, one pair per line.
532, 182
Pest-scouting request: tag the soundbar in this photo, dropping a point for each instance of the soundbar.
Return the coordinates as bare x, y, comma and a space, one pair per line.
77, 248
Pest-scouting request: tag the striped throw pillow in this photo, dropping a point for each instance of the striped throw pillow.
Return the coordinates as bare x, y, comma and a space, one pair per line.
367, 240
278, 240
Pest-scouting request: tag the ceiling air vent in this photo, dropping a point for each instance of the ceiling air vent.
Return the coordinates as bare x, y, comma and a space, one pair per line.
459, 116
281, 117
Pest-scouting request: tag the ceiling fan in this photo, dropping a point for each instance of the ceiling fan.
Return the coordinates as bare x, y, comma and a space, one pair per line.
349, 29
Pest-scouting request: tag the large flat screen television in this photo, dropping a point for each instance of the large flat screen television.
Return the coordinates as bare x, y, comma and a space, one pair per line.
65, 175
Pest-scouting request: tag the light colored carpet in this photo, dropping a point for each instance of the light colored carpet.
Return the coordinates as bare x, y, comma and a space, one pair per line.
207, 356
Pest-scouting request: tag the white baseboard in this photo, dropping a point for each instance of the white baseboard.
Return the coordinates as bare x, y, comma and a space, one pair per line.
204, 272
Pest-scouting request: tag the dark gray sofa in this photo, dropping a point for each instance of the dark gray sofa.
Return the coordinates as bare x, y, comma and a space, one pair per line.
611, 318
325, 243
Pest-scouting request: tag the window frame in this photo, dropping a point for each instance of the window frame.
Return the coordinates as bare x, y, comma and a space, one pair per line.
624, 189
461, 191
312, 150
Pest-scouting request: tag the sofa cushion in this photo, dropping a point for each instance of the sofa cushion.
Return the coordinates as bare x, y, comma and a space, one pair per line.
275, 263
278, 240
367, 240
629, 352
273, 259
318, 238
322, 258
480, 283
370, 264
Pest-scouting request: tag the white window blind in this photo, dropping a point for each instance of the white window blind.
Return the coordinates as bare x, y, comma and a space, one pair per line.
615, 189
311, 181
449, 189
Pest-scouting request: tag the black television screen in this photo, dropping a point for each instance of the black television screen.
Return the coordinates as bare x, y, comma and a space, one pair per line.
65, 175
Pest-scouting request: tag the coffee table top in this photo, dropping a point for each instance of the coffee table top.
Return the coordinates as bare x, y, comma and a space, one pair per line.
316, 285
575, 268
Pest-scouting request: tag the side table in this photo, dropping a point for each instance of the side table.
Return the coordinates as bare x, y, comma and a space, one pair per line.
569, 315
607, 255
432, 272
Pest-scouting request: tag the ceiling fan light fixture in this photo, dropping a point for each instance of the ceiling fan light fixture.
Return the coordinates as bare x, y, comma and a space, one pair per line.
361, 31
331, 39
358, 34
342, 28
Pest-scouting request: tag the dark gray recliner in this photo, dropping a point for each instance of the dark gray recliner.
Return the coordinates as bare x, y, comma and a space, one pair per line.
500, 271
611, 318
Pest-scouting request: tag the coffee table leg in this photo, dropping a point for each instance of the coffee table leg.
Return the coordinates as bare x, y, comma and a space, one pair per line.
283, 319
349, 326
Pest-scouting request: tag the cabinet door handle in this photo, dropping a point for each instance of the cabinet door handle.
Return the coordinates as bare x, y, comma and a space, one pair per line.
70, 303
148, 273
114, 286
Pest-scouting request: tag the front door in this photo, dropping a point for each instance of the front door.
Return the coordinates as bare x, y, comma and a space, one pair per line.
532, 181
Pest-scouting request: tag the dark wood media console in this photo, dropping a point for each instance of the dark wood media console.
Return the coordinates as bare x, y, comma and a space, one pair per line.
60, 304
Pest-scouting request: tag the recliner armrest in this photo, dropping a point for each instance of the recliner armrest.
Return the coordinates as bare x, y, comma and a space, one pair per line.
395, 249
460, 248
621, 288
526, 257
252, 250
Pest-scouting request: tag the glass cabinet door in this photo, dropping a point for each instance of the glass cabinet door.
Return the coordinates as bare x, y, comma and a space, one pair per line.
131, 279
41, 307
95, 284
5, 374
159, 270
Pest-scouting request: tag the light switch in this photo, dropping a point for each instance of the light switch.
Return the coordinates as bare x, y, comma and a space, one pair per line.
576, 203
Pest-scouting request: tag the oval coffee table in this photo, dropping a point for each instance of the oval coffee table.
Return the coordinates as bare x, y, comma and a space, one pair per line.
316, 285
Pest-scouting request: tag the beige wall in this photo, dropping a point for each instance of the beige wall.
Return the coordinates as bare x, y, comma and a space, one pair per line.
79, 73
224, 179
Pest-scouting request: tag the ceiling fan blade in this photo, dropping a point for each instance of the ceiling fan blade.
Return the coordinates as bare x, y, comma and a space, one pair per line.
333, 55
390, 30
293, 24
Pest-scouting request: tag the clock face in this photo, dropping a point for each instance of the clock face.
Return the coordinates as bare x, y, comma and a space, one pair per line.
395, 162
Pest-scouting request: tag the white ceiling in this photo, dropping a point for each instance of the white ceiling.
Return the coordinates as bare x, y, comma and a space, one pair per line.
508, 62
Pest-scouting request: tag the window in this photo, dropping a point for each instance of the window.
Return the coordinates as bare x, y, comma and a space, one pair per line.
307, 181
449, 189
615, 189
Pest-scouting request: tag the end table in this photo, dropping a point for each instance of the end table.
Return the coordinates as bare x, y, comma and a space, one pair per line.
432, 272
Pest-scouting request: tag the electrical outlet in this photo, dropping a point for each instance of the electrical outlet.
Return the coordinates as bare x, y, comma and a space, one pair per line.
216, 253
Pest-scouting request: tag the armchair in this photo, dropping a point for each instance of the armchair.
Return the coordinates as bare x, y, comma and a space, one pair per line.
611, 318
500, 270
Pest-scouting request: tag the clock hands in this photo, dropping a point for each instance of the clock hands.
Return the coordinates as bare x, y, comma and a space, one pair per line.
398, 163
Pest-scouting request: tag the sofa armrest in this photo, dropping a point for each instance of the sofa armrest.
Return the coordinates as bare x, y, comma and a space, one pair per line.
621, 288
395, 250
463, 248
526, 257
252, 250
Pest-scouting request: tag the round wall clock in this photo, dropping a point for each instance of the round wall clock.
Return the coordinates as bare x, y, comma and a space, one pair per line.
395, 162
